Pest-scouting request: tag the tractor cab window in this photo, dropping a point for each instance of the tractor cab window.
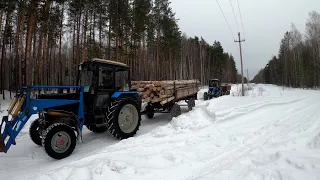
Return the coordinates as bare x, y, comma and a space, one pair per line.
105, 78
121, 80
212, 84
86, 77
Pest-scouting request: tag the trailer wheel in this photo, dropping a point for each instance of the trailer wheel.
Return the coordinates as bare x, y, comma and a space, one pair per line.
191, 104
175, 110
96, 129
35, 132
59, 140
123, 118
149, 112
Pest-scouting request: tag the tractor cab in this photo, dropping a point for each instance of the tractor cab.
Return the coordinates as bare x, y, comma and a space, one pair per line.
99, 75
103, 80
214, 85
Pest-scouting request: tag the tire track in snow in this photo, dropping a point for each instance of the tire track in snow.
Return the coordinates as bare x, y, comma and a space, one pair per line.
230, 156
250, 109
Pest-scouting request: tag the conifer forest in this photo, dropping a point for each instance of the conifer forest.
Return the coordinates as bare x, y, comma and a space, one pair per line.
43, 41
298, 61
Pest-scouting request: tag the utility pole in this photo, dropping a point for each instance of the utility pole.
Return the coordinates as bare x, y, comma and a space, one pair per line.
248, 76
239, 41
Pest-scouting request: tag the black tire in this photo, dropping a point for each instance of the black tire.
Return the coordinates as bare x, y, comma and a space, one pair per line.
175, 110
35, 132
50, 136
149, 112
149, 115
94, 128
113, 114
205, 96
191, 104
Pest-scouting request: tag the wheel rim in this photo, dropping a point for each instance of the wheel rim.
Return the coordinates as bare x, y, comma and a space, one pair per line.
128, 118
61, 142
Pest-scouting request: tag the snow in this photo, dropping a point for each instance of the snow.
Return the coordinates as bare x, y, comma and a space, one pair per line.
272, 133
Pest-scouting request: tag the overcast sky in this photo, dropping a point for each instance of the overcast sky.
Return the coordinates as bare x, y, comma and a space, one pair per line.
264, 24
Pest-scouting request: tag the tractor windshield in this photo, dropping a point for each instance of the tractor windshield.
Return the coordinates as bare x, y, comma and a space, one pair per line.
212, 83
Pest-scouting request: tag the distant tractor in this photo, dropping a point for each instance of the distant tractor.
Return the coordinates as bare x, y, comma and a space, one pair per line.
102, 101
216, 89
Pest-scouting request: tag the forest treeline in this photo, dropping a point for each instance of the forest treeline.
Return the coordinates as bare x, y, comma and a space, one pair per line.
298, 61
43, 41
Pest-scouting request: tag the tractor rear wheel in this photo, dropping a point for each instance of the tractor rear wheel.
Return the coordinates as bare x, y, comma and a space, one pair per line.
123, 118
59, 140
35, 132
97, 129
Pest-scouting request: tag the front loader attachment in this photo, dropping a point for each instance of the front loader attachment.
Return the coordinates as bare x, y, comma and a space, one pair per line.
23, 107
15, 110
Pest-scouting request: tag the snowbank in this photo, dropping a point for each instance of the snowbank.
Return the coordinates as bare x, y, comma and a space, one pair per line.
272, 135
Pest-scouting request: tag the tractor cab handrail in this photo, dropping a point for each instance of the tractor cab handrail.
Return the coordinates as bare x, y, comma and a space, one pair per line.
52, 87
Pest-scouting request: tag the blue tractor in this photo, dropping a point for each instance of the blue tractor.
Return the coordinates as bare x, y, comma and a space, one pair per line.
101, 101
216, 89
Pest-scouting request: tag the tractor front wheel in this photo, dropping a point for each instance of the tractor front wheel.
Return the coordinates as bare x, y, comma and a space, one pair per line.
59, 140
123, 118
205, 96
35, 132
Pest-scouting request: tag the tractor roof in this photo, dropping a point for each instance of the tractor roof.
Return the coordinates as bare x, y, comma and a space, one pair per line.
109, 62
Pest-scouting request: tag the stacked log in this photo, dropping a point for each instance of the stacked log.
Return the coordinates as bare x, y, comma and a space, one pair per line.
162, 91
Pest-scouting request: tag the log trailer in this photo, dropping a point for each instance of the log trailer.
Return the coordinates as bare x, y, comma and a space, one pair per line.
163, 96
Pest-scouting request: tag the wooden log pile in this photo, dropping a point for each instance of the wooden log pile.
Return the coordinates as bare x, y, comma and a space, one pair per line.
163, 91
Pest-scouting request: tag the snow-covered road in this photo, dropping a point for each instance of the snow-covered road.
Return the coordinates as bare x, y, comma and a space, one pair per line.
272, 133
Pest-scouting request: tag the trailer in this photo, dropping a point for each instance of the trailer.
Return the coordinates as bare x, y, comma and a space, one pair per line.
180, 90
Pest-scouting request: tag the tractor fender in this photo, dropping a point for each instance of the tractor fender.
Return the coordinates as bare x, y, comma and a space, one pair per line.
134, 94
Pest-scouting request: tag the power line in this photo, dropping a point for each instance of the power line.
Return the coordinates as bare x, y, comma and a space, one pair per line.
241, 18
234, 15
242, 26
226, 20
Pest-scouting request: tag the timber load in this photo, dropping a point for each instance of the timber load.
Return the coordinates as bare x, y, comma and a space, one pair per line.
165, 91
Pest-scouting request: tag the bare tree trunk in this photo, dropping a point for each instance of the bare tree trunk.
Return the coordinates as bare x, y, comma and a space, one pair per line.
84, 49
3, 56
109, 40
